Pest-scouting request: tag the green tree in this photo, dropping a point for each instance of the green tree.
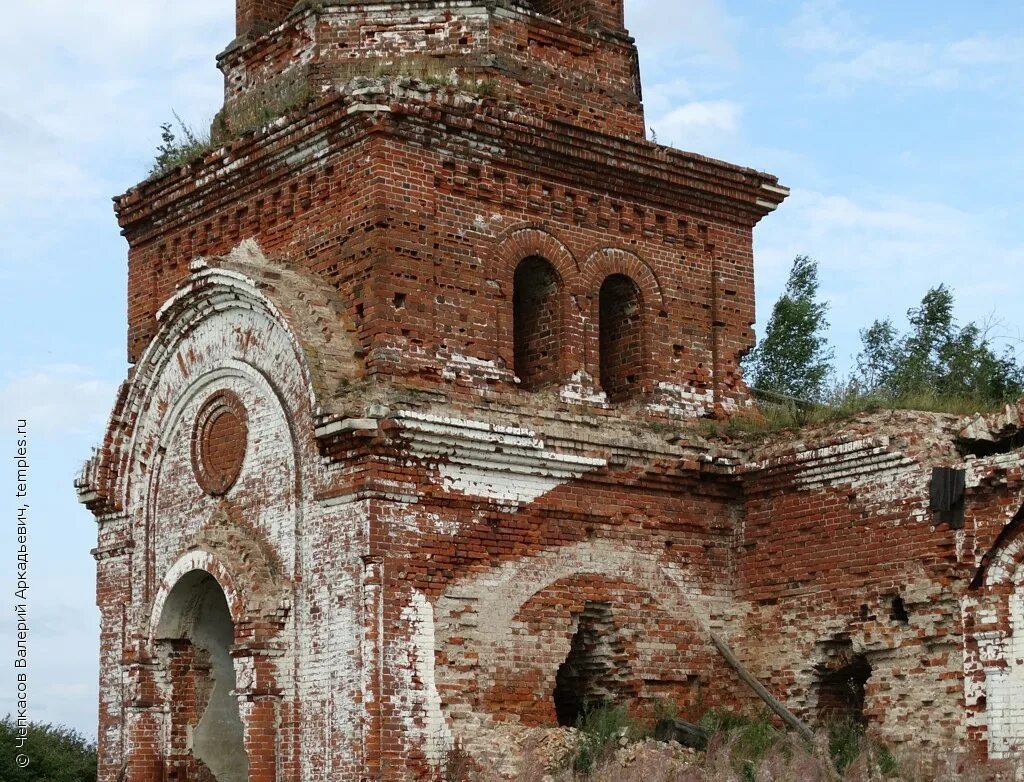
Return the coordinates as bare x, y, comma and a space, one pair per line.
55, 754
936, 357
879, 356
794, 357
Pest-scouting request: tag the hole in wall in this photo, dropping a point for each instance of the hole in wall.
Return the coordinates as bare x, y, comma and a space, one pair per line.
898, 610
596, 670
1005, 444
842, 684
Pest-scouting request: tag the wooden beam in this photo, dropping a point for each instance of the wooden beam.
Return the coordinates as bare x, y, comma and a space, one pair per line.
784, 714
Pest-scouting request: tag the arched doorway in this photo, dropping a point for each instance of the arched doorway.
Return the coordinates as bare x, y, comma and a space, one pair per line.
193, 641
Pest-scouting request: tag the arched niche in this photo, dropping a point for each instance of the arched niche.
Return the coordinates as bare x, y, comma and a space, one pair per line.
621, 337
193, 642
537, 322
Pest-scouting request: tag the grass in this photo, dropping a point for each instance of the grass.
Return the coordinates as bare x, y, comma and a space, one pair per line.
745, 740
179, 147
263, 105
484, 88
600, 730
769, 417
745, 748
742, 748
181, 144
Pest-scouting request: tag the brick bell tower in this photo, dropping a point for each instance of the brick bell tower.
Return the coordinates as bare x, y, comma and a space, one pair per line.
396, 467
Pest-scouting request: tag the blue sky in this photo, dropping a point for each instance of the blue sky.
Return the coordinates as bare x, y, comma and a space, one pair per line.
897, 125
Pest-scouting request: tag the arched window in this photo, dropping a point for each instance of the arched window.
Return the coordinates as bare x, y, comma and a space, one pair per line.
621, 339
535, 315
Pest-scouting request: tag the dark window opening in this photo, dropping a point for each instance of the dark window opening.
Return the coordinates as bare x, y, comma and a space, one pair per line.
535, 316
899, 611
947, 495
621, 337
980, 446
596, 671
841, 690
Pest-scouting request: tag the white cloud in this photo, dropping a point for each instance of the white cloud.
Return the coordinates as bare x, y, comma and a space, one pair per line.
105, 32
851, 56
661, 97
85, 87
700, 30
60, 399
986, 50
699, 125
898, 63
823, 26
33, 170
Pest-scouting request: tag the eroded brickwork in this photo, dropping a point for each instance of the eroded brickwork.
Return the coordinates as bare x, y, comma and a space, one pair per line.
255, 16
417, 369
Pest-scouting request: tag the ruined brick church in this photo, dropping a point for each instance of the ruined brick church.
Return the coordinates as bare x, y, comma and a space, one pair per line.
408, 454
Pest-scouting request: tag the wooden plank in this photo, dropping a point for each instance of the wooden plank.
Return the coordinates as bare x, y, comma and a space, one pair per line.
784, 714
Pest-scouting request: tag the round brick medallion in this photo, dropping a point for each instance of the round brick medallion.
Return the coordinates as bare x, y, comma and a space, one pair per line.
219, 442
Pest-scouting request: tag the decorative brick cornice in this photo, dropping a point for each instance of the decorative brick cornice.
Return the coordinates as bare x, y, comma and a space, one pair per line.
476, 127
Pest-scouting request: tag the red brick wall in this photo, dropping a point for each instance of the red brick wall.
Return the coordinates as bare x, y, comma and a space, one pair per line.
323, 211
254, 16
190, 685
443, 603
630, 622
607, 13
511, 679
419, 237
833, 542
548, 69
113, 593
412, 204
